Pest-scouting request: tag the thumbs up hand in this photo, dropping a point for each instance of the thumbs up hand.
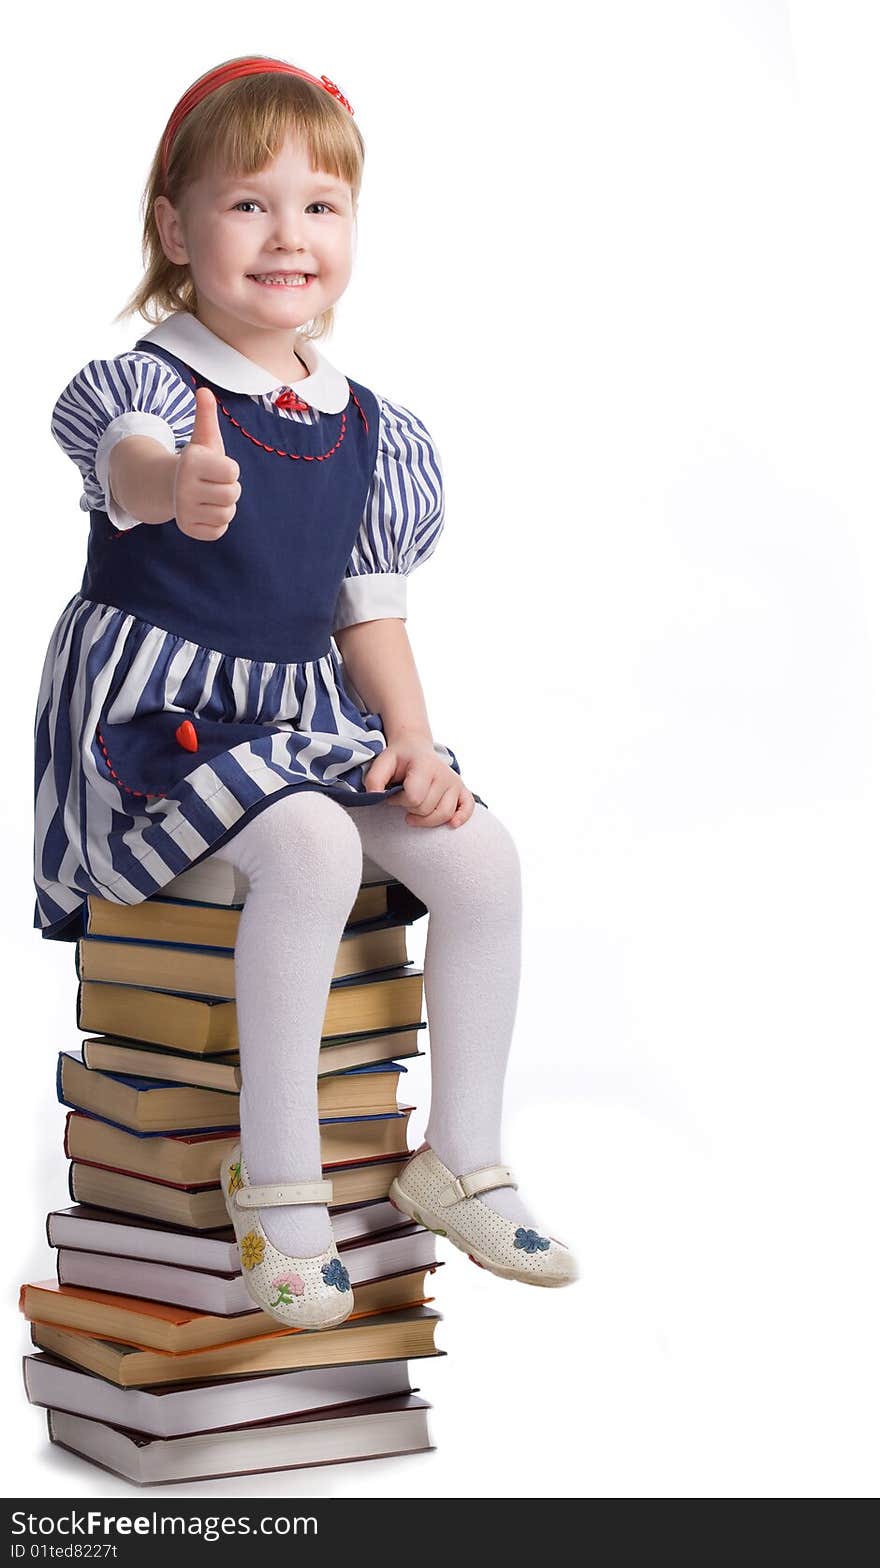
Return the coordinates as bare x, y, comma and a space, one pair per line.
206, 486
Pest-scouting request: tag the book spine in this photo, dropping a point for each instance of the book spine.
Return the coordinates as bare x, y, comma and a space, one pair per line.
59, 1086
153, 1181
223, 1129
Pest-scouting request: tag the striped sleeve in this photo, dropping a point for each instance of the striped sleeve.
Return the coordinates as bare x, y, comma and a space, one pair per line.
135, 394
402, 521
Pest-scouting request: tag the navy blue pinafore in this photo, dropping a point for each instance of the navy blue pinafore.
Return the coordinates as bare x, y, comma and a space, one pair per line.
203, 680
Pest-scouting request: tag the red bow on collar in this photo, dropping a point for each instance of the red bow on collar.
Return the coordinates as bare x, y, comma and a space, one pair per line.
290, 400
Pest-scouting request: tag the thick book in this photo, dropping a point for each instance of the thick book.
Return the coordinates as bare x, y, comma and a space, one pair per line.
194, 1159
142, 1104
179, 1409
158, 1105
86, 1228
203, 1208
398, 1335
109, 1054
385, 1005
210, 971
179, 1331
399, 1251
163, 918
378, 1430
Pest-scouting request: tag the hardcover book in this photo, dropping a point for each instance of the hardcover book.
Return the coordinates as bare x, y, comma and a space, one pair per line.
178, 1331
398, 1251
87, 1228
203, 1208
377, 1430
393, 1335
178, 1409
210, 971
207, 1025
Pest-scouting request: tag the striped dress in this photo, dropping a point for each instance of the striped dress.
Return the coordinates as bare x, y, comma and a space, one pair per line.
159, 732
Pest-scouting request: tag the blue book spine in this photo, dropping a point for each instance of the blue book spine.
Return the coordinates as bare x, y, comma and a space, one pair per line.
231, 1127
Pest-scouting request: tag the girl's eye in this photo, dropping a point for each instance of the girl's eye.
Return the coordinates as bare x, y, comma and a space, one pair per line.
249, 202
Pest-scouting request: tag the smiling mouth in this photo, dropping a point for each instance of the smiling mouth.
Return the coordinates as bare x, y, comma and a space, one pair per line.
280, 280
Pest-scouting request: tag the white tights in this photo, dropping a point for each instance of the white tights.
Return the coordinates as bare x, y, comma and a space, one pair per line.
303, 858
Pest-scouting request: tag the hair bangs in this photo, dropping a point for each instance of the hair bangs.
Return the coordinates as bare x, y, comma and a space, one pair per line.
241, 127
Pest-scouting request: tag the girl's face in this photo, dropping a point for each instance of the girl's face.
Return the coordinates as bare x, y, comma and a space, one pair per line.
285, 220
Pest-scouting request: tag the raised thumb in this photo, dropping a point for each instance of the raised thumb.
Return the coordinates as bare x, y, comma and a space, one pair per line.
206, 427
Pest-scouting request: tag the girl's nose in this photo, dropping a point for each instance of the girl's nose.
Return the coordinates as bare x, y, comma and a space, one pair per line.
289, 231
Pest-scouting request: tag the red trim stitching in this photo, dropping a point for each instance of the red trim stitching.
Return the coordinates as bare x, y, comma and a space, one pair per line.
358, 406
277, 451
143, 793
303, 457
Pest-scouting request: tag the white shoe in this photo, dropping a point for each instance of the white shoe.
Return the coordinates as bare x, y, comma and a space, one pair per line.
429, 1193
308, 1293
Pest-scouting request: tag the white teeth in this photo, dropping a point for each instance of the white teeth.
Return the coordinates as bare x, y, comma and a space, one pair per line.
294, 282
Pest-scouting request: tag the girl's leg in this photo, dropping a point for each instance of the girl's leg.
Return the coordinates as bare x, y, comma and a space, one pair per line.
469, 880
304, 863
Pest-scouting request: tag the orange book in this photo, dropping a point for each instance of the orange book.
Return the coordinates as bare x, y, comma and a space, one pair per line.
158, 1325
383, 1336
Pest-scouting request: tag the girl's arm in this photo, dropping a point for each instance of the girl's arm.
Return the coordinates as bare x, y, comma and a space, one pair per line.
379, 659
142, 478
133, 411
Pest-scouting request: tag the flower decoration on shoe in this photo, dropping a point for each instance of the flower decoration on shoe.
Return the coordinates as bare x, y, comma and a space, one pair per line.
252, 1248
287, 1286
294, 1291
335, 1273
530, 1241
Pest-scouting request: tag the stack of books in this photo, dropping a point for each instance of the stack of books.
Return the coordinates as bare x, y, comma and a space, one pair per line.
151, 1358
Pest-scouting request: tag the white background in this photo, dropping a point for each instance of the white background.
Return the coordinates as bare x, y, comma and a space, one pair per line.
627, 274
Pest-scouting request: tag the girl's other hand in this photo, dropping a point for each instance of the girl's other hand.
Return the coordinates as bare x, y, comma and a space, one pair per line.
206, 486
432, 793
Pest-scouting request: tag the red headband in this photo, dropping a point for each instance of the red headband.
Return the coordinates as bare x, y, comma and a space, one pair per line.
254, 65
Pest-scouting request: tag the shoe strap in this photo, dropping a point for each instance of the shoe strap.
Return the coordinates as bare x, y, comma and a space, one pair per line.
275, 1195
476, 1181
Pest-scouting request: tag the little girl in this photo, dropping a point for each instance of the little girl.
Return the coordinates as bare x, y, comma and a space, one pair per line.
248, 504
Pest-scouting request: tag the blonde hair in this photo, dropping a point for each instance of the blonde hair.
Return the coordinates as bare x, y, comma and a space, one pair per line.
242, 126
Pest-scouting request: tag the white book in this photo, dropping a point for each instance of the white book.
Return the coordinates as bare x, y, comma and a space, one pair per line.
370, 1431
174, 1409
215, 881
87, 1228
408, 1247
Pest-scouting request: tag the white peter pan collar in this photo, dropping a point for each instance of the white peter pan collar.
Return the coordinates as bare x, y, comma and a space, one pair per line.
324, 388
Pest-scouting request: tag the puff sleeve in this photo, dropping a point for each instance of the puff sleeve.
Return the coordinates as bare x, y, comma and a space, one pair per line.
135, 394
402, 521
